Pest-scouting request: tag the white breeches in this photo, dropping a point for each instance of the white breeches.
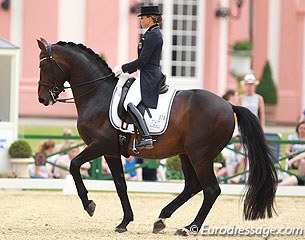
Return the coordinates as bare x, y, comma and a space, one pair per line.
134, 94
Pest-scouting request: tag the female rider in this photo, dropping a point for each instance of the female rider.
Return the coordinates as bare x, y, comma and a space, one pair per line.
146, 87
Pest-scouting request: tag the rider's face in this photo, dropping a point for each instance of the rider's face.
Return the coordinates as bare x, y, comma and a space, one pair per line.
145, 21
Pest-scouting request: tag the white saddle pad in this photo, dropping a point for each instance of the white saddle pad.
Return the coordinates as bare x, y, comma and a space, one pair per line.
160, 116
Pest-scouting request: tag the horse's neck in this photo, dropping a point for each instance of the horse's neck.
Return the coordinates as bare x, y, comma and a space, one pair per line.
95, 94
91, 87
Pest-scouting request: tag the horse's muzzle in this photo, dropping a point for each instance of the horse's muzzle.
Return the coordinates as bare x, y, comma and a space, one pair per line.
44, 101
41, 100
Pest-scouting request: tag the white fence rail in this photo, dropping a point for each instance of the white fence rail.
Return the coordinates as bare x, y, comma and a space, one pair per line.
68, 187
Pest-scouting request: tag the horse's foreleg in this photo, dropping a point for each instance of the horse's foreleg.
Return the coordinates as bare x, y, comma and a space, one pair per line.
116, 168
191, 188
75, 165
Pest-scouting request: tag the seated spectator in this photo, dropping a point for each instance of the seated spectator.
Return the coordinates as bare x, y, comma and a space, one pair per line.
105, 168
67, 132
232, 160
293, 180
45, 171
149, 174
65, 161
295, 148
129, 163
297, 159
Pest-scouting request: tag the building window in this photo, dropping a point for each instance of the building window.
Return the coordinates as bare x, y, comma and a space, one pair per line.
183, 36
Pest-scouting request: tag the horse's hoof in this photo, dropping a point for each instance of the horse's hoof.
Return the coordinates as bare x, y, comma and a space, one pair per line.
91, 208
120, 229
182, 232
159, 225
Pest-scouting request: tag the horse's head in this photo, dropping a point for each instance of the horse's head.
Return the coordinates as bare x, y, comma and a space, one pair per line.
52, 75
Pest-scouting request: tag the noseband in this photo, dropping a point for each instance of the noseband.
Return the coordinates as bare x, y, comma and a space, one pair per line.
55, 90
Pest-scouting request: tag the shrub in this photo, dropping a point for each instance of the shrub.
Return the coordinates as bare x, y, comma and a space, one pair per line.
266, 88
20, 149
173, 168
244, 45
174, 175
174, 163
219, 158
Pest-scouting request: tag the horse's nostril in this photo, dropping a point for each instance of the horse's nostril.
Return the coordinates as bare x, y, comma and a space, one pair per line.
41, 100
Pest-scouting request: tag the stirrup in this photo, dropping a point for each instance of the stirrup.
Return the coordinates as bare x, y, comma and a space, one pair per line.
145, 143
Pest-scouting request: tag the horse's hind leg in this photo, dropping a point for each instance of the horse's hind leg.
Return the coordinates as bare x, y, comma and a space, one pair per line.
211, 190
191, 187
116, 168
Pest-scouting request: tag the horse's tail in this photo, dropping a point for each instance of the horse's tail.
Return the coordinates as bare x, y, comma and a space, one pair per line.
262, 180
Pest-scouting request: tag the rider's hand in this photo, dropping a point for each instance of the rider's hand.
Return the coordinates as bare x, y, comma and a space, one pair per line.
117, 70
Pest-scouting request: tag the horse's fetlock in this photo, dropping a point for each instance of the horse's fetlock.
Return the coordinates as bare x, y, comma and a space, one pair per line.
165, 213
128, 218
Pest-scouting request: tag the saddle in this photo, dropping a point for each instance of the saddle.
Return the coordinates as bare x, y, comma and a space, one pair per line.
122, 113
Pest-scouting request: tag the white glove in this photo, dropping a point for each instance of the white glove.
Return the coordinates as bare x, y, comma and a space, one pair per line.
122, 79
117, 70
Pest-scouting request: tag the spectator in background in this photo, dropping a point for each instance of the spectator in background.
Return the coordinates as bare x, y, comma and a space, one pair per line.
233, 158
150, 174
45, 171
251, 100
298, 158
129, 163
67, 132
105, 168
65, 161
302, 117
232, 97
294, 180
295, 148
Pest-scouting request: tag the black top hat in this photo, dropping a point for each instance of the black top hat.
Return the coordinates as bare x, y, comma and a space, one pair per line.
149, 10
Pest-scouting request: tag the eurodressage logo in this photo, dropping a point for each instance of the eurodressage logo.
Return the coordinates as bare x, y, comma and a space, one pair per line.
264, 232
194, 229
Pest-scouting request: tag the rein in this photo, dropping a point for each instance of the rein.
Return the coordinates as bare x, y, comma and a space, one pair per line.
67, 100
55, 90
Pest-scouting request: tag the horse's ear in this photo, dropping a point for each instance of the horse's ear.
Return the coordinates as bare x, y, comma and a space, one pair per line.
42, 46
44, 41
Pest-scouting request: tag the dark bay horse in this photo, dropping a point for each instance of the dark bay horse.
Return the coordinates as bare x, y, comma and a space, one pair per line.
200, 126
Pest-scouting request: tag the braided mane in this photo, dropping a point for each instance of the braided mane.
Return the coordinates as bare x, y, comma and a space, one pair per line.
86, 49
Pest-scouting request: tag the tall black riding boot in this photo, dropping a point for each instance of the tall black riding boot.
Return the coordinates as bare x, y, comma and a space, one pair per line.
138, 120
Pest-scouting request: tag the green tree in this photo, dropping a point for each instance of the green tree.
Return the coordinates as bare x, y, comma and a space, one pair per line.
266, 88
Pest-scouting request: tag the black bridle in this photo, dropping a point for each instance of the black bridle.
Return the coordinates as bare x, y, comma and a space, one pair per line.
55, 90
